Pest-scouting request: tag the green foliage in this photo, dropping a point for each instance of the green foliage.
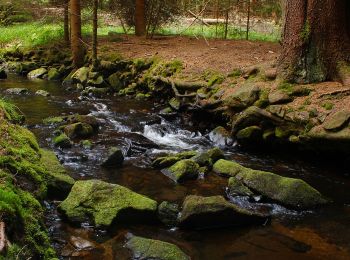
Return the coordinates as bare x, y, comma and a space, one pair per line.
328, 105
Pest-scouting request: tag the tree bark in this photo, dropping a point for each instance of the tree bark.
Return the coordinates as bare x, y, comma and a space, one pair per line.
140, 18
316, 41
76, 41
94, 35
66, 21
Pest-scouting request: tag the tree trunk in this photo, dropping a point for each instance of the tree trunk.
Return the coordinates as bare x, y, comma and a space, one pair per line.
66, 21
140, 18
76, 41
94, 35
316, 43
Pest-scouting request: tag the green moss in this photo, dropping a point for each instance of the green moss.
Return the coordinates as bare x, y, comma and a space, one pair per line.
183, 170
104, 203
144, 248
227, 168
11, 112
216, 78
236, 73
54, 120
62, 141
166, 161
328, 105
286, 87
281, 132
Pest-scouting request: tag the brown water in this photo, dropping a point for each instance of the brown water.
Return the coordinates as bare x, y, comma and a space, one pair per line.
135, 125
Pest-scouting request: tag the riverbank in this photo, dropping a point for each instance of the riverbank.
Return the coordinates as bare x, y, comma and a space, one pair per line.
249, 100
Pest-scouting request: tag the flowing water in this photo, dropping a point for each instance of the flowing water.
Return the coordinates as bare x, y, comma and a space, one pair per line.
135, 126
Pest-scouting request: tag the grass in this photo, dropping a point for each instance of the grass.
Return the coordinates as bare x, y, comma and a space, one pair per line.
33, 34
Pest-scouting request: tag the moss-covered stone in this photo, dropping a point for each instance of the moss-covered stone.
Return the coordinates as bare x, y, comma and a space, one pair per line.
62, 141
183, 170
237, 188
54, 74
227, 168
208, 212
143, 248
81, 75
287, 191
105, 203
250, 133
79, 130
220, 136
38, 73
166, 161
59, 182
115, 82
54, 120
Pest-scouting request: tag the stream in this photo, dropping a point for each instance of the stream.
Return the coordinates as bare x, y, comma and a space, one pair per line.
136, 127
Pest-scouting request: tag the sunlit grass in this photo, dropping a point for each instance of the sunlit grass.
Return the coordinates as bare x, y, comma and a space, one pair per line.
28, 35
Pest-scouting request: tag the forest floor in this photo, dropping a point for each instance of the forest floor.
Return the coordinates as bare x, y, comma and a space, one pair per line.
197, 55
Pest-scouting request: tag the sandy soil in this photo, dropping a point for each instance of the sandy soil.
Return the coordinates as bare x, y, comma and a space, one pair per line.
197, 54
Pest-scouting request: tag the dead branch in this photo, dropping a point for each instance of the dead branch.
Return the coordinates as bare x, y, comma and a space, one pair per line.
182, 85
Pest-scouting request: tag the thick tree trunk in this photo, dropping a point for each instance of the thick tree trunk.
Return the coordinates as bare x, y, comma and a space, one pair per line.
66, 21
76, 41
94, 35
316, 41
140, 18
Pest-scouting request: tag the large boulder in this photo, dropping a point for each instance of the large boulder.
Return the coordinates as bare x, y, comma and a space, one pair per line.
291, 192
59, 182
143, 248
182, 171
104, 203
37, 74
115, 82
209, 212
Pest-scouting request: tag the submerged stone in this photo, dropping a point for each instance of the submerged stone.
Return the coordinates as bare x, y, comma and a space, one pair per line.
143, 248
17, 91
183, 170
79, 130
104, 203
210, 212
43, 93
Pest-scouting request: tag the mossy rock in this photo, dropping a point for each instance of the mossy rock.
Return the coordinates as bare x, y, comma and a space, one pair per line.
38, 73
166, 161
59, 182
279, 97
143, 248
54, 120
209, 212
104, 203
81, 75
17, 91
227, 168
183, 170
79, 130
237, 188
115, 81
62, 141
220, 136
244, 96
250, 133
288, 191
209, 157
54, 74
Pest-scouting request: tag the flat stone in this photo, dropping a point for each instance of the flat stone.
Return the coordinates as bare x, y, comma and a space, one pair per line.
43, 93
279, 97
337, 121
17, 91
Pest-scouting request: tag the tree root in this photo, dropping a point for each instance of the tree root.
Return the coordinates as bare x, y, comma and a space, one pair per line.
182, 85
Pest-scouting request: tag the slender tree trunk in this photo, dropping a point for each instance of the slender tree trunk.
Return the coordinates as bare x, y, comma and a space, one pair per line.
248, 20
66, 21
76, 41
140, 18
316, 44
94, 35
